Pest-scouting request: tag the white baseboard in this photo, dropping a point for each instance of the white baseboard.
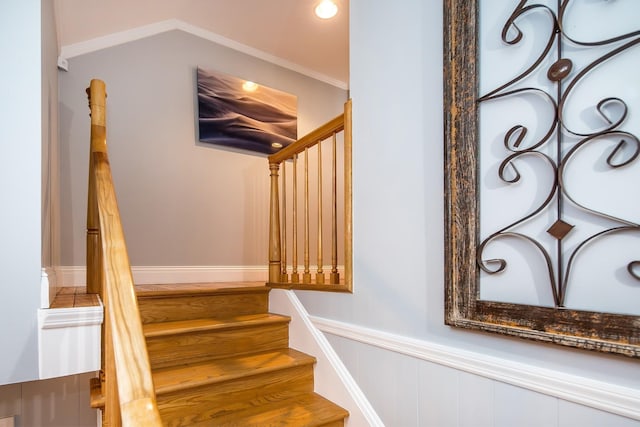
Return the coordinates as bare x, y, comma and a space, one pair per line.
144, 275
592, 393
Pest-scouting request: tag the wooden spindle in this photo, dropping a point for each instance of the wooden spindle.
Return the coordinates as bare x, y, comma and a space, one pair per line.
299, 274
284, 278
306, 276
334, 277
295, 277
348, 206
320, 273
274, 226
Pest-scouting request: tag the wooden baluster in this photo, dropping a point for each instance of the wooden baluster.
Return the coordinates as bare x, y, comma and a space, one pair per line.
97, 99
274, 226
348, 207
295, 277
320, 273
306, 276
284, 277
334, 277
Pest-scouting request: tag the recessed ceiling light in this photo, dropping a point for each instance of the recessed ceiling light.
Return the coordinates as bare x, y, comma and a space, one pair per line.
326, 9
276, 145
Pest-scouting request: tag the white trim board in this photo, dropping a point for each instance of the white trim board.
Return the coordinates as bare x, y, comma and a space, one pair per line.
143, 275
69, 340
592, 393
331, 377
122, 37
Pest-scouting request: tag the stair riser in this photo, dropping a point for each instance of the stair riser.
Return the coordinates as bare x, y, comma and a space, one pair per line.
187, 348
218, 400
218, 306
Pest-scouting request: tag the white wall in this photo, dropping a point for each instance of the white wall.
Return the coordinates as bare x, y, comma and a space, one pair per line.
20, 216
50, 170
182, 202
396, 86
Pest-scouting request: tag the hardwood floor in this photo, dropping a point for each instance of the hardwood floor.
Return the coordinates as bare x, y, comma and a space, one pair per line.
219, 358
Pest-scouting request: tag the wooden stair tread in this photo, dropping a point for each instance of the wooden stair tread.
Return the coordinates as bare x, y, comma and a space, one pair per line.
180, 377
197, 325
219, 358
304, 410
162, 290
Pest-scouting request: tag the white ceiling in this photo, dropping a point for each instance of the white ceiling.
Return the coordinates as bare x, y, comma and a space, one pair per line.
286, 29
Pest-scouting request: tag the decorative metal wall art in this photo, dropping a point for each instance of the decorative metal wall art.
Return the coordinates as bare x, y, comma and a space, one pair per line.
542, 117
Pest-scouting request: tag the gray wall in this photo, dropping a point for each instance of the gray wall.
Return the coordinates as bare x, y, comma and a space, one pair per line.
182, 202
396, 86
50, 168
21, 140
57, 402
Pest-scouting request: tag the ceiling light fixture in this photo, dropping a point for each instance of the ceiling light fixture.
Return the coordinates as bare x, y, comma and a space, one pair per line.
326, 9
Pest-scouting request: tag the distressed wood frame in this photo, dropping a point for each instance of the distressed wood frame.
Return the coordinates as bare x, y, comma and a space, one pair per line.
605, 332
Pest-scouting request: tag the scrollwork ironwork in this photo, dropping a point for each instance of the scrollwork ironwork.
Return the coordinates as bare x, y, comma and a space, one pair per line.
565, 77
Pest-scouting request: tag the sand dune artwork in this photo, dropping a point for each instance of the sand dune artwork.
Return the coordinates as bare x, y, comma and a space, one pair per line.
241, 114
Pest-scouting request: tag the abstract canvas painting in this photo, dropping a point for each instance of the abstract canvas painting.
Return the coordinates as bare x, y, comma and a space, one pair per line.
242, 114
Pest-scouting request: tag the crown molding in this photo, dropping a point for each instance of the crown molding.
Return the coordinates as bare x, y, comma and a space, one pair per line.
127, 36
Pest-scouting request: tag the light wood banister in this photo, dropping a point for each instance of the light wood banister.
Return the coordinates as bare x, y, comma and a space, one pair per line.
333, 126
278, 252
319, 273
129, 394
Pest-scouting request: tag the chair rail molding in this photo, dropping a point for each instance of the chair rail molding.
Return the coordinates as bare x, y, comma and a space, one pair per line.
600, 395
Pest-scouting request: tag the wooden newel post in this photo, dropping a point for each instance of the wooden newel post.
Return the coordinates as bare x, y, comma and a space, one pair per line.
97, 100
274, 226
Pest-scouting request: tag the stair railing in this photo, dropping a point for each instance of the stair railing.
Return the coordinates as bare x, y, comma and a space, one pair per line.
284, 235
127, 384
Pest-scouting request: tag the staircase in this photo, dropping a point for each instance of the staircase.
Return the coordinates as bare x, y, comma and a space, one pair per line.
219, 358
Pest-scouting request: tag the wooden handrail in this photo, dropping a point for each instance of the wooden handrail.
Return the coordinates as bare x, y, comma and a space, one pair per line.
323, 132
129, 394
278, 276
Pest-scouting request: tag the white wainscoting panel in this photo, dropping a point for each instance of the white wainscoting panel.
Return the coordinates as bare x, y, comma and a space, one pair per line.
394, 376
515, 406
572, 414
509, 393
69, 340
477, 398
438, 395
